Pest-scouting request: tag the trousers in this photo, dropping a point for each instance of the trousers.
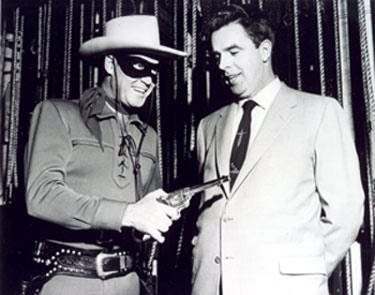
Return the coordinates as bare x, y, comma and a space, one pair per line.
68, 285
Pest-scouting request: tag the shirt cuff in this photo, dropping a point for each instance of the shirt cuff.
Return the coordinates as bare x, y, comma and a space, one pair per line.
109, 215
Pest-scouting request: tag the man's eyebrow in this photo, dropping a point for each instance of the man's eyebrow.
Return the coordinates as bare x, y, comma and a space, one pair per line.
229, 48
234, 46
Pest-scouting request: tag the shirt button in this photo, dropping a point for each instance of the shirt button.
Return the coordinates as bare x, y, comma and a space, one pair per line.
217, 260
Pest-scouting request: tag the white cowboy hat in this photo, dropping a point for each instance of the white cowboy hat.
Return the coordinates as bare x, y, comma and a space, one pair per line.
133, 34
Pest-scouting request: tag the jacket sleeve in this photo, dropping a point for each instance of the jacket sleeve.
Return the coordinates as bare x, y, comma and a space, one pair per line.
338, 183
48, 196
200, 147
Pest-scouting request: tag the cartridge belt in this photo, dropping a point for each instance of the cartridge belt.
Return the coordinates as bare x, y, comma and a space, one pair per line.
59, 259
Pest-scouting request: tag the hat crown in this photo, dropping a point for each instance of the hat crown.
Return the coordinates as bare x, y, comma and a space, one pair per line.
131, 34
137, 29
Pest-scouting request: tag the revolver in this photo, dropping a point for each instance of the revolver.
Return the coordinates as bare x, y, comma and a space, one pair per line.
180, 198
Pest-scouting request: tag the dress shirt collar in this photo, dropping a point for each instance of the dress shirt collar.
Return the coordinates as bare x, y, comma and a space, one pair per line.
265, 97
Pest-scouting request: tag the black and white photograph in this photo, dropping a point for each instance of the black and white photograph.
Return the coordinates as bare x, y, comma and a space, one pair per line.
187, 147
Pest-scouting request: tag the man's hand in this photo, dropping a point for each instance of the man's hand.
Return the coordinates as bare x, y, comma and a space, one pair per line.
150, 216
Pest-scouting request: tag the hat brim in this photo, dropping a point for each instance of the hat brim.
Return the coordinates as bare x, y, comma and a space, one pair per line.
104, 45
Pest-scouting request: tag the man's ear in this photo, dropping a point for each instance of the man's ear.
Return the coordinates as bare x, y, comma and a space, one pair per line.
109, 67
265, 50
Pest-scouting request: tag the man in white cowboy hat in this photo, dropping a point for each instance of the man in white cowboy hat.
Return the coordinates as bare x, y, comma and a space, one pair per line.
92, 175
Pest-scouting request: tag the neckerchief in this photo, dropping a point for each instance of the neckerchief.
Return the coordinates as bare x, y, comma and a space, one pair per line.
91, 104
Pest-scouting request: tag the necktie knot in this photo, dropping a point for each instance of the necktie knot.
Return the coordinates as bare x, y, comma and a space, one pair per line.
249, 105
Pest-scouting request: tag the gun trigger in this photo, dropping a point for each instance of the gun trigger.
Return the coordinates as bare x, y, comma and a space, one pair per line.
162, 200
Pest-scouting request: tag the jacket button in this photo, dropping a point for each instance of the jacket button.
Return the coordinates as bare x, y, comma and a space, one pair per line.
217, 260
227, 219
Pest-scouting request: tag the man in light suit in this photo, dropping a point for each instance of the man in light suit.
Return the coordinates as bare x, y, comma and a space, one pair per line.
296, 203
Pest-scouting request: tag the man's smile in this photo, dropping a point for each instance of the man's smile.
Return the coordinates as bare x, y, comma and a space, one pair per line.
140, 90
232, 77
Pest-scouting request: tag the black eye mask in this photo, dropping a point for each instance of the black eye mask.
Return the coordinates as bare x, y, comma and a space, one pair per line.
137, 67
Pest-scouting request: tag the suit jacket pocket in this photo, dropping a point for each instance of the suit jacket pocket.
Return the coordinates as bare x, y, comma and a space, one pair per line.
302, 265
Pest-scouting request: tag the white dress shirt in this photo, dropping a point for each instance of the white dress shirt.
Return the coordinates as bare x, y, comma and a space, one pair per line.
264, 100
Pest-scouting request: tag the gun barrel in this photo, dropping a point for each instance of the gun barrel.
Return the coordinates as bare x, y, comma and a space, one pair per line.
201, 187
191, 190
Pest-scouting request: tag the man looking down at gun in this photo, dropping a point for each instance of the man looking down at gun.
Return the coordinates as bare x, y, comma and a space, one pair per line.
294, 204
92, 169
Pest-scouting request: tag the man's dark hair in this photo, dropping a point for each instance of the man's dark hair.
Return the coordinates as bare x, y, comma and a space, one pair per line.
255, 22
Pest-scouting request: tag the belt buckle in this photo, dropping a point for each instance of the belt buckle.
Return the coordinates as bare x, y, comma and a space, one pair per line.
99, 265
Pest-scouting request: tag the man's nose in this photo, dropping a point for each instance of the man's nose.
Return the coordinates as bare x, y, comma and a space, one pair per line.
147, 80
224, 62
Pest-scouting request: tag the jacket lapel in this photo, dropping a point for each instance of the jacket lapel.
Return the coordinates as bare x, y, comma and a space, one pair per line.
224, 130
276, 119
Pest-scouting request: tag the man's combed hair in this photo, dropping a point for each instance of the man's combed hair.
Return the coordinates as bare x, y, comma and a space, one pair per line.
256, 23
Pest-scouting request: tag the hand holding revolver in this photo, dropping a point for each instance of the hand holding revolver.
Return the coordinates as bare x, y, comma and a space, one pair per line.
150, 216
153, 215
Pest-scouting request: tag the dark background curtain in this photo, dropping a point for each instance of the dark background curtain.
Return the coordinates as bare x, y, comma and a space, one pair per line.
39, 60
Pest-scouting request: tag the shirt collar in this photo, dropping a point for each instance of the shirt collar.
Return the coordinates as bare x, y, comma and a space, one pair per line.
93, 107
265, 97
109, 111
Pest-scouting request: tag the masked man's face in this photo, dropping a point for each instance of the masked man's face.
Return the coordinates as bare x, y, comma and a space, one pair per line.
136, 76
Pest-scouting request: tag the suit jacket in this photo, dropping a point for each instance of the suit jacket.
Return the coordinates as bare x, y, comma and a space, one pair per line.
295, 208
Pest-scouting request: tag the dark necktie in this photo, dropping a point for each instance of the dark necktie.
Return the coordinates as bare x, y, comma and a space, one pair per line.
241, 141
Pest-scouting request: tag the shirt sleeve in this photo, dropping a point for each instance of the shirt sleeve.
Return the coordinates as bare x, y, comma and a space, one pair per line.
154, 182
48, 196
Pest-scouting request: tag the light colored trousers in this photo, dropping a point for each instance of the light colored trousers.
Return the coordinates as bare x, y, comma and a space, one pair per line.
67, 285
